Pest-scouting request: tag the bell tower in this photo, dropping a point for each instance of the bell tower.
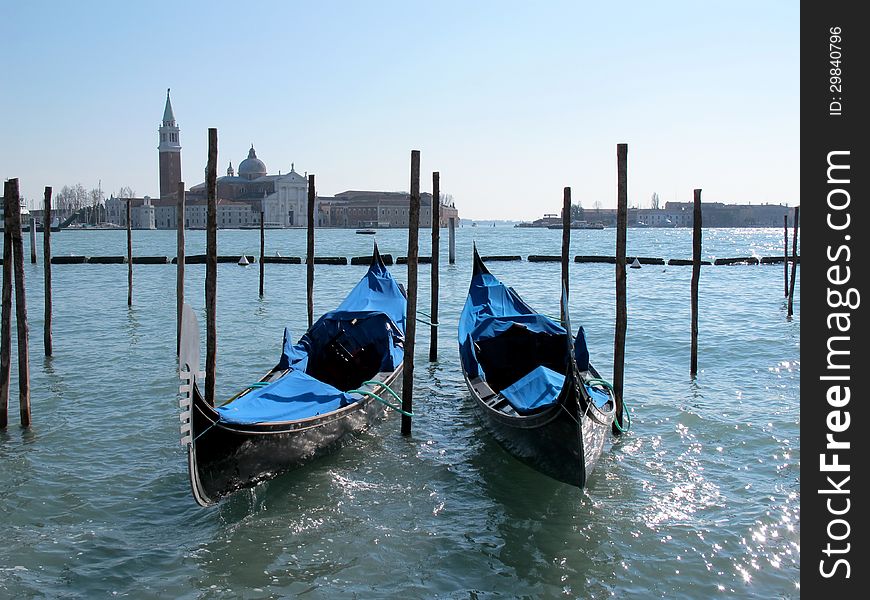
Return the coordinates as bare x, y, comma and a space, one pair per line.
170, 153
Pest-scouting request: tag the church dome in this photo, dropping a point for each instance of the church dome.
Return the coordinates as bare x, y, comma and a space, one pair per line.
252, 167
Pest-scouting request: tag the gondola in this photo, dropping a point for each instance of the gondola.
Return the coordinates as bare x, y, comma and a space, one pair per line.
335, 381
531, 382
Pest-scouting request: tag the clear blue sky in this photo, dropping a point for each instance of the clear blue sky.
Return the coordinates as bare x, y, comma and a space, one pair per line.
510, 101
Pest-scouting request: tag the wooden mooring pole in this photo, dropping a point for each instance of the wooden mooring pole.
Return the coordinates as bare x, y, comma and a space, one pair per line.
621, 311
436, 250
33, 240
794, 260
129, 254
696, 277
785, 252
6, 323
262, 252
566, 238
451, 241
46, 257
411, 319
179, 266
309, 289
211, 268
20, 307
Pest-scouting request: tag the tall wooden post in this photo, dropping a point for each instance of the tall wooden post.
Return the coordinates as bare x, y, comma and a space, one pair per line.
621, 310
566, 237
6, 323
451, 241
309, 289
262, 252
696, 277
211, 268
794, 259
785, 252
129, 254
411, 320
179, 264
20, 306
46, 257
33, 240
436, 250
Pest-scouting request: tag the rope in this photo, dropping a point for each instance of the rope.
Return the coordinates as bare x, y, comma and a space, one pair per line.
626, 415
381, 400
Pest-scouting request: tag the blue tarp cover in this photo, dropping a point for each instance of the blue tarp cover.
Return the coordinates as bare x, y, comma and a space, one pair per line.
378, 306
537, 389
540, 388
297, 395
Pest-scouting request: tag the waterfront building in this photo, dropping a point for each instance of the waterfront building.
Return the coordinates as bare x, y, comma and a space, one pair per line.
356, 208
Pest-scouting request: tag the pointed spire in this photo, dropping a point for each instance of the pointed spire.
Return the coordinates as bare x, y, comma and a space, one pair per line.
168, 117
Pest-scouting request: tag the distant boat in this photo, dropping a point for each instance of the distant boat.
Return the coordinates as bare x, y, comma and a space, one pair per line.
579, 225
366, 231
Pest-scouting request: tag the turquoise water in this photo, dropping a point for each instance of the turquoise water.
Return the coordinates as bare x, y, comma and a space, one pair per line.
700, 500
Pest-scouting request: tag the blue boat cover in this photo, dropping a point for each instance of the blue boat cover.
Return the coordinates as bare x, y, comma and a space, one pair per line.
372, 315
539, 388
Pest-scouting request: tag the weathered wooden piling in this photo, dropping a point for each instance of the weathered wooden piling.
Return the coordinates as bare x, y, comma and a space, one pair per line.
621, 310
46, 257
411, 318
566, 238
33, 240
211, 267
785, 252
696, 277
6, 323
20, 306
262, 252
794, 241
451, 241
179, 267
129, 254
309, 289
436, 241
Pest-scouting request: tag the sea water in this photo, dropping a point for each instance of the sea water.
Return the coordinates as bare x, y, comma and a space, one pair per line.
700, 499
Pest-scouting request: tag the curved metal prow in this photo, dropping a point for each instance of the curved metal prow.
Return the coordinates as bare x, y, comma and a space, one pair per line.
188, 369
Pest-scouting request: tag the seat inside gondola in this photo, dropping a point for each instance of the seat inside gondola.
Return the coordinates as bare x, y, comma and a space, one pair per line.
345, 352
517, 351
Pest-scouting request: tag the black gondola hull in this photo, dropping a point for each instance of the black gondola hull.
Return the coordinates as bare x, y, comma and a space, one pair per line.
556, 442
223, 458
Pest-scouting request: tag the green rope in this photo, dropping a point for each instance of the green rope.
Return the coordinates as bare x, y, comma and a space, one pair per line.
381, 400
626, 416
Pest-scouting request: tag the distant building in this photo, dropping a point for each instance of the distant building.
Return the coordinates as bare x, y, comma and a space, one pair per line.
283, 199
355, 208
681, 214
243, 194
169, 152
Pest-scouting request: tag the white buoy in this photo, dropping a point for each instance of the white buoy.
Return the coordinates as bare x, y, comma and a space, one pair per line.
635, 264
243, 261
